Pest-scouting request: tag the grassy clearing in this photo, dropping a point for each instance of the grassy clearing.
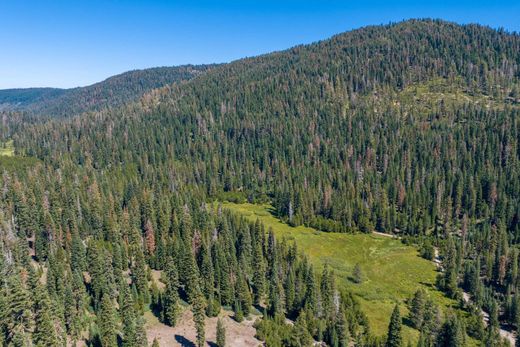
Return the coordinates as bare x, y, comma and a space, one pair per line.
11, 161
7, 148
392, 272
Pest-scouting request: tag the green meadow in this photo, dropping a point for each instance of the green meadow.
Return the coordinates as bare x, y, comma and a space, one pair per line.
10, 161
391, 271
7, 148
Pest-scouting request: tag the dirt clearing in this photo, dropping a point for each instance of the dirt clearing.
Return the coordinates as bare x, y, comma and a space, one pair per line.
183, 334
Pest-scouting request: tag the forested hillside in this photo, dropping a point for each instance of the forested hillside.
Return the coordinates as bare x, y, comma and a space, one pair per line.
11, 99
409, 129
114, 91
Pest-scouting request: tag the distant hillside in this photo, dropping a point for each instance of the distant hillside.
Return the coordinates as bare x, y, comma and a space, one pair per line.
21, 98
111, 92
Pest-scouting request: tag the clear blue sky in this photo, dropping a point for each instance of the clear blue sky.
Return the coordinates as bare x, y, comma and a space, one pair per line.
74, 43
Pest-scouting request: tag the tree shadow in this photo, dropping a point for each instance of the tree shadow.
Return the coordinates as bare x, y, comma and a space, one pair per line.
429, 285
94, 342
408, 322
184, 341
261, 310
353, 280
212, 344
273, 211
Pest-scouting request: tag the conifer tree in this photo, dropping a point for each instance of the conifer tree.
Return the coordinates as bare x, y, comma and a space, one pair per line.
417, 308
191, 275
71, 311
17, 315
206, 271
300, 335
449, 280
107, 322
77, 255
452, 333
128, 316
221, 333
239, 314
258, 271
357, 274
342, 328
140, 332
45, 333
394, 338
198, 307
170, 299
243, 294
139, 276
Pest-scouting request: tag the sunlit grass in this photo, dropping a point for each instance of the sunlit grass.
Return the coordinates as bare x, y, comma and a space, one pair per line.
392, 271
7, 148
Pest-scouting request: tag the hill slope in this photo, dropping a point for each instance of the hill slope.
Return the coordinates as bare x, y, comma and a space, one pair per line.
411, 128
365, 111
114, 91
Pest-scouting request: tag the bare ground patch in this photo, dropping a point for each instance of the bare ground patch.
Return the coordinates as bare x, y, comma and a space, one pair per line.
183, 334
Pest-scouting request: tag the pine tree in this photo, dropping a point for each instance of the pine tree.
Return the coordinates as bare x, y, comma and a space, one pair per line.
139, 276
221, 333
45, 333
239, 314
258, 269
206, 271
394, 338
243, 294
107, 323
275, 297
492, 330
342, 328
77, 255
198, 307
417, 308
450, 268
170, 298
71, 309
191, 275
452, 333
98, 272
300, 334
290, 292
431, 320
128, 316
155, 342
357, 274
17, 314
140, 332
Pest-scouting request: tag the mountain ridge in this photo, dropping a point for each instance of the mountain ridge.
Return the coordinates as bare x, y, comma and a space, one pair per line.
112, 91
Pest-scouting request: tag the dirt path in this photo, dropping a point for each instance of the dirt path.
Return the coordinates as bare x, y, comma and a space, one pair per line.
384, 234
183, 334
506, 334
437, 258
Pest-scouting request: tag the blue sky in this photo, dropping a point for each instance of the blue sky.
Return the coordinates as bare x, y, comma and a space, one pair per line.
74, 43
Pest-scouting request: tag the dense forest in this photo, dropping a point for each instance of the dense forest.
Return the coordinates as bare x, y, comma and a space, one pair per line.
410, 129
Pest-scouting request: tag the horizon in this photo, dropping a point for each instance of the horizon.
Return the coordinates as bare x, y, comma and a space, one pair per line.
71, 52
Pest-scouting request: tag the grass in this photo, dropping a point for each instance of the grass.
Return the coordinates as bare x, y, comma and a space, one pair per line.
7, 149
426, 99
391, 271
12, 162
